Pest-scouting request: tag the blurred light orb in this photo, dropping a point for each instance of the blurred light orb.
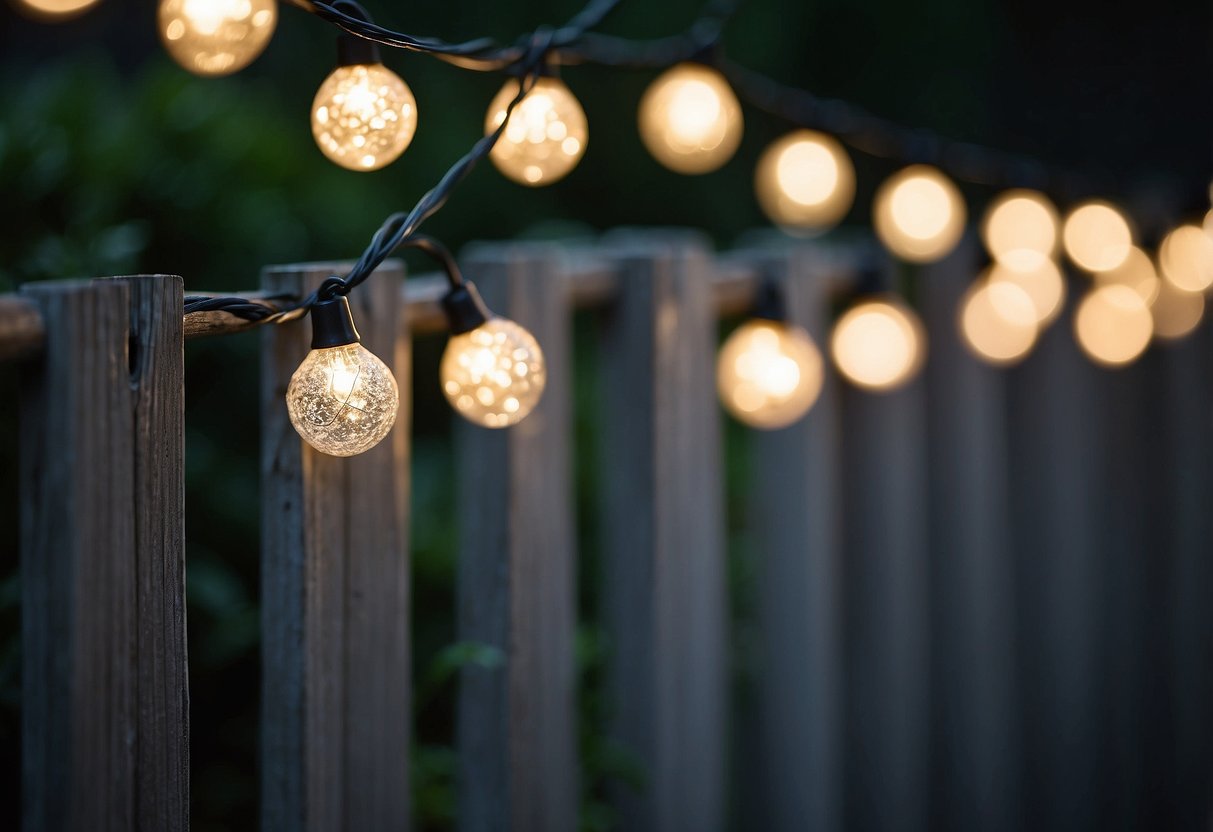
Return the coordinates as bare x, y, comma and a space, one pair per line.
1113, 325
1186, 258
769, 374
878, 344
919, 214
342, 400
1137, 272
998, 321
1043, 285
216, 37
53, 10
690, 119
493, 375
1176, 313
546, 135
1020, 229
363, 116
805, 181
1097, 237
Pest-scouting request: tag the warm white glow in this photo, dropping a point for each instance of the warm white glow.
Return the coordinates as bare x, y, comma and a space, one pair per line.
768, 374
1043, 285
919, 214
494, 375
1186, 258
342, 400
1136, 272
1020, 230
53, 10
878, 344
364, 116
1176, 313
546, 136
690, 119
805, 180
998, 321
1097, 236
1113, 325
216, 37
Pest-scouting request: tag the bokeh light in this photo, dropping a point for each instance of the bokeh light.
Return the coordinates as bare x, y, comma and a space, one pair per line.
805, 181
1137, 272
546, 136
1020, 229
1186, 258
363, 116
1113, 325
1176, 313
769, 374
919, 214
216, 37
1044, 286
1097, 237
878, 344
998, 321
53, 10
690, 119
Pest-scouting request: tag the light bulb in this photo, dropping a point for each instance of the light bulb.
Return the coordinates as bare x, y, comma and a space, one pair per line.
1176, 313
494, 374
546, 134
878, 344
1020, 229
1097, 236
998, 321
768, 374
805, 180
1043, 285
216, 37
1113, 325
54, 10
364, 116
1136, 272
690, 119
919, 214
1186, 258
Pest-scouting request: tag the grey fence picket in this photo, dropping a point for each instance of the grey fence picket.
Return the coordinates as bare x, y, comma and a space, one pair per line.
335, 690
518, 764
663, 548
105, 716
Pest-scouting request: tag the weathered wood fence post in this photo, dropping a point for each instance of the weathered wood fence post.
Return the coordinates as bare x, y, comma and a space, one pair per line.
105, 694
335, 576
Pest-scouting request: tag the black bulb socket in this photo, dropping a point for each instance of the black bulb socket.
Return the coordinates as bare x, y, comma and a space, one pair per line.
464, 308
355, 51
333, 324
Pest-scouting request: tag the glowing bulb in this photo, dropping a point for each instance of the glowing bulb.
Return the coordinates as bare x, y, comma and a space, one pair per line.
878, 344
1043, 285
364, 116
1186, 258
768, 374
342, 400
1136, 272
493, 375
1020, 230
1113, 325
1097, 237
1176, 313
919, 214
690, 119
546, 135
216, 37
998, 321
805, 180
54, 10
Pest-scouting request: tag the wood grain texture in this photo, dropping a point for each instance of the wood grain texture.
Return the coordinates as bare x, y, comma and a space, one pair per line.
518, 763
105, 717
335, 689
663, 547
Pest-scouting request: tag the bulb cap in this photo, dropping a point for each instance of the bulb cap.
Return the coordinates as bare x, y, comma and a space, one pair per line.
333, 324
464, 308
355, 51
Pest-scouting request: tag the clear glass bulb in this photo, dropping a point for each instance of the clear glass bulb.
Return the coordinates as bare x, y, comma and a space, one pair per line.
690, 119
878, 344
216, 37
768, 374
919, 214
546, 136
342, 400
364, 116
1097, 236
493, 375
53, 10
805, 180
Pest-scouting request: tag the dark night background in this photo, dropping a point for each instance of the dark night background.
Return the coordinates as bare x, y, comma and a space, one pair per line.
115, 161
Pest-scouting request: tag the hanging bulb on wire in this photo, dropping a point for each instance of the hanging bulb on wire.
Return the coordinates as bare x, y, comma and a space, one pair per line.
342, 400
545, 137
492, 371
690, 119
216, 37
54, 11
919, 214
364, 116
805, 181
878, 344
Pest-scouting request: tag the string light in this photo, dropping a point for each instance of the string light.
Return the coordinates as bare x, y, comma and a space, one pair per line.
1020, 230
1137, 272
805, 180
1043, 285
1186, 258
1097, 236
342, 400
690, 119
878, 344
998, 321
769, 374
216, 37
1176, 313
1113, 325
919, 214
546, 134
54, 10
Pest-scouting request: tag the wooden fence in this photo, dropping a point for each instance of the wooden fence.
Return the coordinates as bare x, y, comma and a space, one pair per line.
982, 601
